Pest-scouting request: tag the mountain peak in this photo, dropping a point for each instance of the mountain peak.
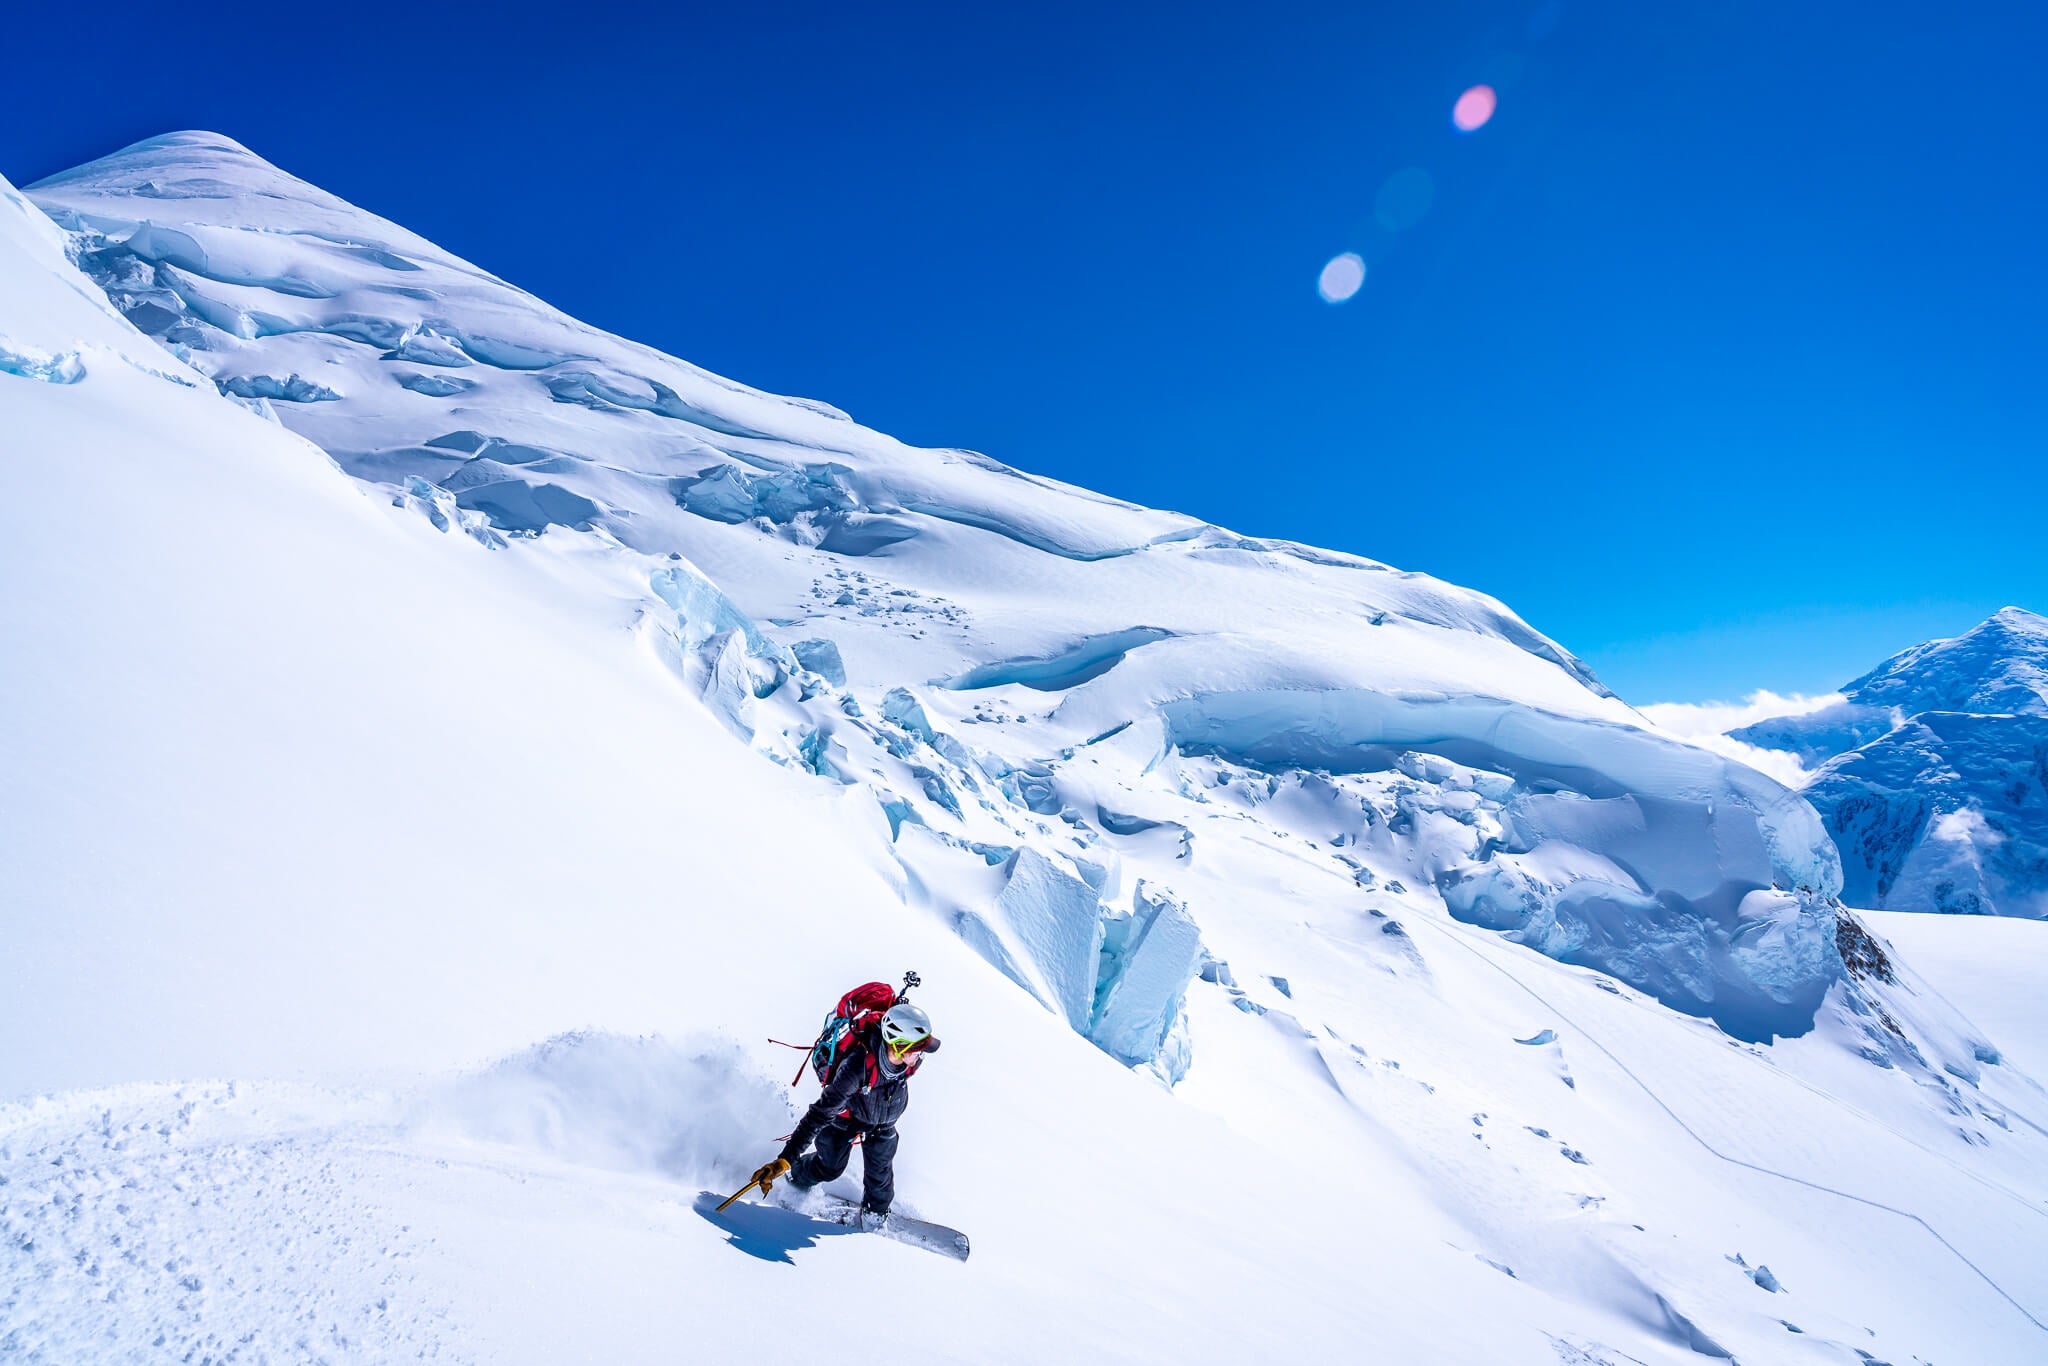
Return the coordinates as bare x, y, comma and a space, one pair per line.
199, 138
2000, 665
2016, 618
166, 160
197, 178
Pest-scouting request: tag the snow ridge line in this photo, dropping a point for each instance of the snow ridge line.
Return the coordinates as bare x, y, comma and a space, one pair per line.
1658, 1100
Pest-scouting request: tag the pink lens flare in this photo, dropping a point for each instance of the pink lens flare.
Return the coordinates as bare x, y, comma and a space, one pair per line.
1474, 108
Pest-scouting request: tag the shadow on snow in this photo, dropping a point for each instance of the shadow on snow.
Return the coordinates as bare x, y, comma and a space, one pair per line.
765, 1231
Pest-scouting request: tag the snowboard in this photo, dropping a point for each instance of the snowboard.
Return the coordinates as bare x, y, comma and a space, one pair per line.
947, 1242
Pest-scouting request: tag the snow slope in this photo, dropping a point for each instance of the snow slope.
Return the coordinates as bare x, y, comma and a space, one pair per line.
301, 786
1990, 966
407, 853
1935, 781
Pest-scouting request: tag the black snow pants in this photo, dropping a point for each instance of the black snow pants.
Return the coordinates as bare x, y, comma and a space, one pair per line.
834, 1146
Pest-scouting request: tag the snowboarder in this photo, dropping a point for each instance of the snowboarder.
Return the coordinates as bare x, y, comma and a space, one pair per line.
866, 1091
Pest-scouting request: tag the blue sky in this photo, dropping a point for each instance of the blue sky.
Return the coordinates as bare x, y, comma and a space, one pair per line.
1717, 352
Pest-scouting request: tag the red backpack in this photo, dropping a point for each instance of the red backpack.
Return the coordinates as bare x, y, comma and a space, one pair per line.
858, 1011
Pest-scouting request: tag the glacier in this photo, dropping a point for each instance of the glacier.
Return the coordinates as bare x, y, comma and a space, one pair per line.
790, 522
427, 800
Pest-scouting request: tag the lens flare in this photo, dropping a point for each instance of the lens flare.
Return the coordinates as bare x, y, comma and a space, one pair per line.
1341, 278
1473, 109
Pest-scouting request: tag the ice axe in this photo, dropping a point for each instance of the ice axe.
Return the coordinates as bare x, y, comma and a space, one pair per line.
775, 1169
737, 1194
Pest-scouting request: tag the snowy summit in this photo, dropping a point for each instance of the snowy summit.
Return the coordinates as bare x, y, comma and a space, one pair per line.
1934, 772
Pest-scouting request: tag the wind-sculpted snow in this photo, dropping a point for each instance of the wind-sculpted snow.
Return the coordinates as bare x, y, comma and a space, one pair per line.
1646, 859
1085, 659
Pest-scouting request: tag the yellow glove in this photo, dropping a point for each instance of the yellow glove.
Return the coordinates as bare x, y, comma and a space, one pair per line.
765, 1177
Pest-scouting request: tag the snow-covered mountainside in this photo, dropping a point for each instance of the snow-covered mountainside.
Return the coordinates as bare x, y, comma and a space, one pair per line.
457, 737
1935, 780
1034, 678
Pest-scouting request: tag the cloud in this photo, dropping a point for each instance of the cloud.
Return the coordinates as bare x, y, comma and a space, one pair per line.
1965, 826
1696, 719
1772, 763
1706, 724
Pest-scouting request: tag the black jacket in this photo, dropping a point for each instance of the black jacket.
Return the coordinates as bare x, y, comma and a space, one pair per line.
868, 1105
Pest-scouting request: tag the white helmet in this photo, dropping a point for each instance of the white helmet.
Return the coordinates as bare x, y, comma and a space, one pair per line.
905, 1026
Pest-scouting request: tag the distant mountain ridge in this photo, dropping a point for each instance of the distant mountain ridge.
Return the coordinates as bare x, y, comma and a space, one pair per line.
1998, 666
1934, 776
